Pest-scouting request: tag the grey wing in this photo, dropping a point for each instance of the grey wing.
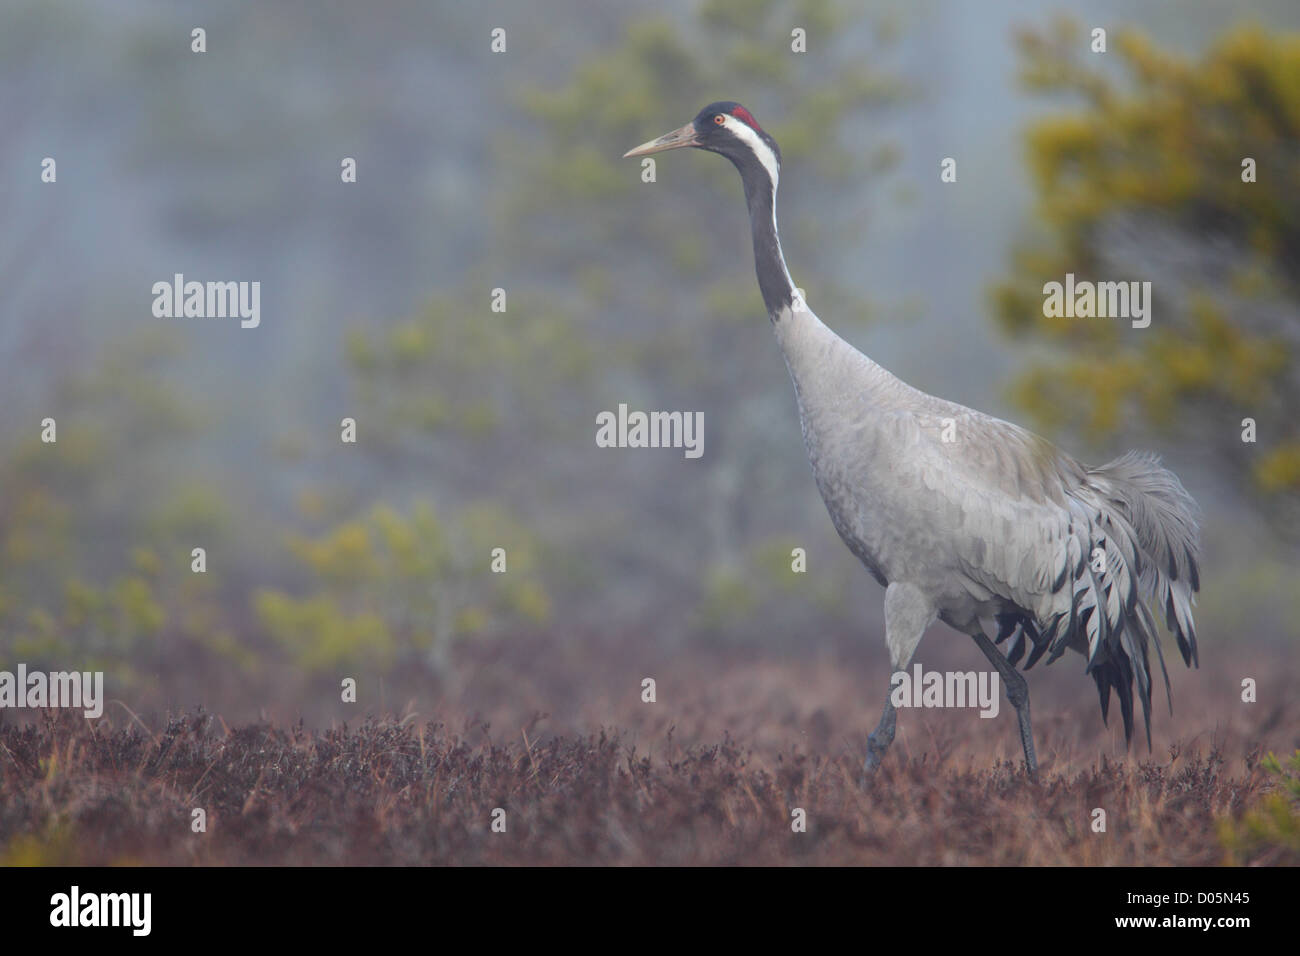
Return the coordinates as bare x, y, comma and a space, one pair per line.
1076, 553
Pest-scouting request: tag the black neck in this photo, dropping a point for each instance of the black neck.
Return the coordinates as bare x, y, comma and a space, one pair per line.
769, 264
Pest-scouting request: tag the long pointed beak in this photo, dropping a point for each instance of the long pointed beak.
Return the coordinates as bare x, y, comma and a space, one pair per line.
674, 140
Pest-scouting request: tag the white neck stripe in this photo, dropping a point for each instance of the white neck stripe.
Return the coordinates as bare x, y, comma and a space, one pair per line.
745, 133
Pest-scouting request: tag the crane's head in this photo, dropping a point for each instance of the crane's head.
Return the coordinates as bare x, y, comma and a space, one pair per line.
730, 129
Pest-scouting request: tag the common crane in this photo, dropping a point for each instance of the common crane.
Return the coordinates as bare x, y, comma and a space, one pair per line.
995, 523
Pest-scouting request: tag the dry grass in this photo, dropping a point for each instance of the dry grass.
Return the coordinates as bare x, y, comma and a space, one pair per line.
671, 787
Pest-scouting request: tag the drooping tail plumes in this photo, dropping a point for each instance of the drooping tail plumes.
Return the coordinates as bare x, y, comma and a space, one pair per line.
1133, 547
1167, 523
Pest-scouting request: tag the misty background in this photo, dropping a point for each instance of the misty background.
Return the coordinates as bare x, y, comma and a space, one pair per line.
476, 429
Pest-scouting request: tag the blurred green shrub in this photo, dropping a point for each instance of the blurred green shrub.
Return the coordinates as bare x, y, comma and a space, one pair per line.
1269, 833
393, 590
1143, 179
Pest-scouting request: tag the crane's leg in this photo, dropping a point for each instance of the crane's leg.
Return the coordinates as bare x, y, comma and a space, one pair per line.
907, 614
1017, 693
882, 736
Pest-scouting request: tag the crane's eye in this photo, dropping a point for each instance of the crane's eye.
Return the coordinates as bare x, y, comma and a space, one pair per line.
719, 119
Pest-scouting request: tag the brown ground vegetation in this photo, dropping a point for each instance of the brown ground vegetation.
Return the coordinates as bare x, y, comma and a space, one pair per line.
709, 774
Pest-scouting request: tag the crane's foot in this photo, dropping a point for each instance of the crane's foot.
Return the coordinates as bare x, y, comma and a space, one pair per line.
878, 743
1027, 741
875, 754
